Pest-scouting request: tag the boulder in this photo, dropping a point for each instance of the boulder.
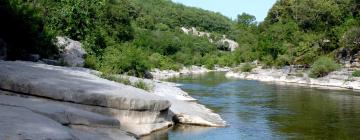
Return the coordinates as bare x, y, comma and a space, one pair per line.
71, 52
3, 49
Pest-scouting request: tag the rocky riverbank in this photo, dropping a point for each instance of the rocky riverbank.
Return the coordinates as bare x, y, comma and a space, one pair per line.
165, 74
341, 79
74, 103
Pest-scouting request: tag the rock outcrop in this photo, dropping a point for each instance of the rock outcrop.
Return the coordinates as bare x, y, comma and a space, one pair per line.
230, 45
184, 109
52, 120
78, 104
71, 52
129, 105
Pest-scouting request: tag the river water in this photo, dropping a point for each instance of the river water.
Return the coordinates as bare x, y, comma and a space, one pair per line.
261, 111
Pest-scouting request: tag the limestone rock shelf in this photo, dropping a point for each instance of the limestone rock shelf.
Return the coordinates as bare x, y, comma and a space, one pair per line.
77, 104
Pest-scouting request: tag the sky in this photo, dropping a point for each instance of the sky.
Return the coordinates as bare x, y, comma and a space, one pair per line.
231, 8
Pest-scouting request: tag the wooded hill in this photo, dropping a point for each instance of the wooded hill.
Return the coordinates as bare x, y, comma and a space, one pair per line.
133, 36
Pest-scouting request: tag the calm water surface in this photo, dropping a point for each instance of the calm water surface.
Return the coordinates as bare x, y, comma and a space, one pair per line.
257, 110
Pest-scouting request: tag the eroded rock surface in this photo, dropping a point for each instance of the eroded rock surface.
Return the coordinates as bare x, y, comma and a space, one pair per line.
83, 106
66, 84
61, 120
18, 123
79, 87
184, 109
63, 114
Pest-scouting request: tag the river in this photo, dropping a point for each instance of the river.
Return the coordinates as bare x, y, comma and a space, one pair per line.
258, 110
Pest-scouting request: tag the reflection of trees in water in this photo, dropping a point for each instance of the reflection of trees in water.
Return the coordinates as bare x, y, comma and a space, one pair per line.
208, 79
317, 114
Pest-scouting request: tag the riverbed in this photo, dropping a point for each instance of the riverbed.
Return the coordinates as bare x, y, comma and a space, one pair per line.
260, 110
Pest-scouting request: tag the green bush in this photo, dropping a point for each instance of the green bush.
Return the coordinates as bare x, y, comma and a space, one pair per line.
247, 67
90, 62
323, 66
142, 85
356, 73
351, 38
209, 61
119, 79
125, 59
163, 63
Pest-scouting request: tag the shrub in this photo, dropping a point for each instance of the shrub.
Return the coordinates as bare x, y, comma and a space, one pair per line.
283, 60
162, 62
323, 66
90, 62
356, 73
247, 67
142, 85
209, 61
124, 59
351, 38
119, 79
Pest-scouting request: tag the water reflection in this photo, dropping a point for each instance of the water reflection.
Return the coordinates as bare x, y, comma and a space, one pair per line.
257, 110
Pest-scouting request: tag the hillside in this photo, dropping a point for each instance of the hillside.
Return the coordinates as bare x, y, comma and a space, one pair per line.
133, 37
298, 32
162, 14
120, 36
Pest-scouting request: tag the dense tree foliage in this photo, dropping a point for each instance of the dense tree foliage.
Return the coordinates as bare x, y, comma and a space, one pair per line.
133, 36
164, 14
298, 32
302, 30
120, 36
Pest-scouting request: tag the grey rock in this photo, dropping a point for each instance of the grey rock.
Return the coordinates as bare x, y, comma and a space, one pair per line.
231, 44
71, 52
139, 123
183, 108
63, 114
17, 123
90, 133
65, 84
138, 111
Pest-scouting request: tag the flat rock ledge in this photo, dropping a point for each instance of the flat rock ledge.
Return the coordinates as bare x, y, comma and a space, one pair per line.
68, 103
341, 79
184, 108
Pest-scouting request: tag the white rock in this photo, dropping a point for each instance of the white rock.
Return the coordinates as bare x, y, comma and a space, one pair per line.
134, 108
336, 79
71, 52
